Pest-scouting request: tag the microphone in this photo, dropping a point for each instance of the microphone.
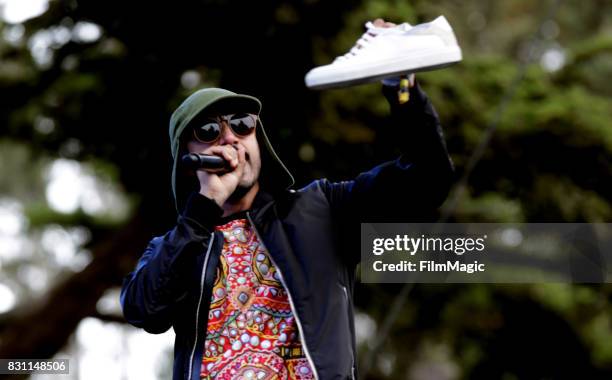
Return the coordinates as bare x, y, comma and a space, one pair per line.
204, 161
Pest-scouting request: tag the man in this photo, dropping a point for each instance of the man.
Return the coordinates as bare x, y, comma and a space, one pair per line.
257, 278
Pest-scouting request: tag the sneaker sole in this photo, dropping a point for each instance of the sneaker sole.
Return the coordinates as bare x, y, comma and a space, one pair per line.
381, 70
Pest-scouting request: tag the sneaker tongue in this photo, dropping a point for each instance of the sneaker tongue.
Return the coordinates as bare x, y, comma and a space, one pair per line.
372, 29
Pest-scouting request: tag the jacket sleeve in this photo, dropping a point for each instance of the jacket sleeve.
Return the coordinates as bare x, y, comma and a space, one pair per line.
414, 184
150, 294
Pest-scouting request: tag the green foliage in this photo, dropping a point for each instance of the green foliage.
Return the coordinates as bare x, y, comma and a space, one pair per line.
490, 207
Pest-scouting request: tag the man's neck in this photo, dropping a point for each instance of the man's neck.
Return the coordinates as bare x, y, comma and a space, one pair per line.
244, 203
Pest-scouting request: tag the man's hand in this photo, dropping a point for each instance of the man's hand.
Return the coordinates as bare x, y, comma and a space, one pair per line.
219, 186
380, 23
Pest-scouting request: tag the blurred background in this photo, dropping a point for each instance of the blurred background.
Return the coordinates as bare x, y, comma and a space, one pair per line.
86, 91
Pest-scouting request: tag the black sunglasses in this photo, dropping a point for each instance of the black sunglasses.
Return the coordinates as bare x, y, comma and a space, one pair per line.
209, 130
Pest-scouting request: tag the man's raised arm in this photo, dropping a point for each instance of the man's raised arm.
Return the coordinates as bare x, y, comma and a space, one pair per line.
409, 187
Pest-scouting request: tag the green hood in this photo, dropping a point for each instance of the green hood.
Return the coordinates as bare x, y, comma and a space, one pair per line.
274, 176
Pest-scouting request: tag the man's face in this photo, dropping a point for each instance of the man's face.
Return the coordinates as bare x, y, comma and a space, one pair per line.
228, 138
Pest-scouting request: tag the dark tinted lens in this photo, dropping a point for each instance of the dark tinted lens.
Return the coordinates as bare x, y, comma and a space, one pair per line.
243, 124
208, 132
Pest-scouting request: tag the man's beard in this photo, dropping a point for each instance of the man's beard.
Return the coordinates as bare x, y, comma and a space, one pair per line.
241, 191
244, 186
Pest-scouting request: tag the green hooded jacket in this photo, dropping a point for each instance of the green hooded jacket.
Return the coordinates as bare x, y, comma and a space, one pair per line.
274, 176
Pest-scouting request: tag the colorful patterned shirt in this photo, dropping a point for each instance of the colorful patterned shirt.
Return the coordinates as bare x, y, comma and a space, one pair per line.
251, 333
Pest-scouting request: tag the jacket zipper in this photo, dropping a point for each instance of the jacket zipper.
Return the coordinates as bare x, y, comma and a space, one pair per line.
295, 314
349, 306
197, 319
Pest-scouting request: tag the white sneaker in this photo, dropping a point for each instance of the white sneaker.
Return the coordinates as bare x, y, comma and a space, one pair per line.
386, 52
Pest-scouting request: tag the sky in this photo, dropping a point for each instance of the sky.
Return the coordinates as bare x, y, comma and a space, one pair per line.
17, 11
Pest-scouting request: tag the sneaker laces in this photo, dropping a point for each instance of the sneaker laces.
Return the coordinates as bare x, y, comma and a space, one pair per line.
366, 39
